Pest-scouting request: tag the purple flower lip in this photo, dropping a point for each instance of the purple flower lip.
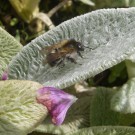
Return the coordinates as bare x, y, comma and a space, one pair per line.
4, 75
57, 102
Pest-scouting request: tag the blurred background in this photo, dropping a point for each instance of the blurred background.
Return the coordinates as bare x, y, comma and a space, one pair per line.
27, 19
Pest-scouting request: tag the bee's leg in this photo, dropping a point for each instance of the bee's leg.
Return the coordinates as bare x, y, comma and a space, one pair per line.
71, 59
61, 63
80, 54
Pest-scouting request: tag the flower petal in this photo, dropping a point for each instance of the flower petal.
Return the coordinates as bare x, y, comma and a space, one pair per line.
4, 75
56, 101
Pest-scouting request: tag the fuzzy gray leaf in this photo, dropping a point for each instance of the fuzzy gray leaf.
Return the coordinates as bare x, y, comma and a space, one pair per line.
9, 47
108, 32
19, 111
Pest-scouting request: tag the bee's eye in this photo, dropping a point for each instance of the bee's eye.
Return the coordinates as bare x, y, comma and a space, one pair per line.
79, 45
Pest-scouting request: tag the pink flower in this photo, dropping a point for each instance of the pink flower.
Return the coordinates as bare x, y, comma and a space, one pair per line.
56, 101
4, 75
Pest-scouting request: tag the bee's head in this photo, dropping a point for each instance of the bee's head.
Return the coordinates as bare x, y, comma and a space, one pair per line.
79, 46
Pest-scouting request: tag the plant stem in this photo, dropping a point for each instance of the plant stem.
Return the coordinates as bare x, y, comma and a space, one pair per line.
55, 9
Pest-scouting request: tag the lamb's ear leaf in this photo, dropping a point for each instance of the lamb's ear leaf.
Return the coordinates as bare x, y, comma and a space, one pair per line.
19, 111
77, 118
106, 130
101, 112
108, 32
124, 100
9, 47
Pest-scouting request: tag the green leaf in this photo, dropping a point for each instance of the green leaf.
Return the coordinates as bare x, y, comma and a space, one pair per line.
77, 118
124, 100
111, 3
9, 47
101, 112
106, 130
19, 111
130, 68
117, 72
108, 32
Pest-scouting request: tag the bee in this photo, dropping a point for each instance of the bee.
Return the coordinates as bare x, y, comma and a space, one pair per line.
65, 50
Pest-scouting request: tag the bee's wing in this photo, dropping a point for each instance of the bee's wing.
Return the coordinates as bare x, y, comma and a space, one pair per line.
67, 50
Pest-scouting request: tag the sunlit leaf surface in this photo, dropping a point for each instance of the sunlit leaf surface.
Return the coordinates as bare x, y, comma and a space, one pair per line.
108, 32
19, 111
9, 47
26, 9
